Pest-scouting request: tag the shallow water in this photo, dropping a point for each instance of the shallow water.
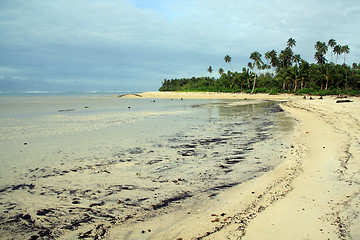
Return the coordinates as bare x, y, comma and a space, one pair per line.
106, 159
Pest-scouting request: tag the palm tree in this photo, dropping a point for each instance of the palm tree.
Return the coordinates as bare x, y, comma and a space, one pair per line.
321, 49
337, 51
332, 44
274, 60
227, 59
221, 71
345, 50
297, 59
256, 57
210, 70
291, 42
246, 74
304, 71
286, 57
267, 57
250, 66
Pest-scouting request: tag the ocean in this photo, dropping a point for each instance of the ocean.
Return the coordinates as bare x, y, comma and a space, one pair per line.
72, 160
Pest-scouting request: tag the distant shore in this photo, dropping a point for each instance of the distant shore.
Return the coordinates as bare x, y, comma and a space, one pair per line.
210, 95
314, 194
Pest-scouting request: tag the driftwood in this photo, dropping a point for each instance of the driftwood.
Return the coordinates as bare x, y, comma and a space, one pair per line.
66, 110
343, 101
123, 95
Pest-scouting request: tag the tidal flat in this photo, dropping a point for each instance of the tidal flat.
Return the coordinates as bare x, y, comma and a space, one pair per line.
77, 165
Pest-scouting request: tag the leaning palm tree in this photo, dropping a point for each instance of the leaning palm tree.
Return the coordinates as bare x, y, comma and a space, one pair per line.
291, 42
337, 51
332, 44
256, 57
345, 50
227, 59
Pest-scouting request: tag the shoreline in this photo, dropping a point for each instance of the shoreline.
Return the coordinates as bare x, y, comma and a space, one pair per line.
210, 95
311, 191
312, 195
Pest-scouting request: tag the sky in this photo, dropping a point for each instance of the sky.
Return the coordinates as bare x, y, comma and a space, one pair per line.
133, 45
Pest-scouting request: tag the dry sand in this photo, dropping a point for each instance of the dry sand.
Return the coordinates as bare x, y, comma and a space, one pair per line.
314, 194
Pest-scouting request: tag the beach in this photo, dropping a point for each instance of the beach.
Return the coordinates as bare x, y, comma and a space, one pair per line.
168, 165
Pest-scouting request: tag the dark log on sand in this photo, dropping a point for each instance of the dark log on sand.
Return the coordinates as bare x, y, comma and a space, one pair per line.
123, 95
342, 101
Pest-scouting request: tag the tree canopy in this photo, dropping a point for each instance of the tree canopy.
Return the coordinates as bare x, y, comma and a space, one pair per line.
285, 72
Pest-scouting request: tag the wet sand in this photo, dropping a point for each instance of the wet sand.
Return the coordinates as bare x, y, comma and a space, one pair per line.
110, 162
314, 194
88, 180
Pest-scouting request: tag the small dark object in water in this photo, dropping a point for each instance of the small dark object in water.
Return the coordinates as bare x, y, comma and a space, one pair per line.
181, 99
321, 97
129, 107
304, 97
311, 98
25, 143
343, 101
66, 110
86, 107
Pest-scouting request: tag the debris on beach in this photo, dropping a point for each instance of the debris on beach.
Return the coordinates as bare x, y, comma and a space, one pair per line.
343, 101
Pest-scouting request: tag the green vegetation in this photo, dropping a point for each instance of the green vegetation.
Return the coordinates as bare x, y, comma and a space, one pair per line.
285, 72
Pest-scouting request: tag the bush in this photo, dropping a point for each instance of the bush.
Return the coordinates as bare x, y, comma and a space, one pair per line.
274, 91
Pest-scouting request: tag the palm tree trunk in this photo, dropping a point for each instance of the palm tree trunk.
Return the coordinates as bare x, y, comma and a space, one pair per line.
231, 67
254, 82
327, 82
302, 83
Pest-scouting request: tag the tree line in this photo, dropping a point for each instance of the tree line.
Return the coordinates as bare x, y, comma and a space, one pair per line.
283, 72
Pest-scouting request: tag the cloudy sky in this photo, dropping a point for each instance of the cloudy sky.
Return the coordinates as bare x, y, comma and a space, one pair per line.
105, 45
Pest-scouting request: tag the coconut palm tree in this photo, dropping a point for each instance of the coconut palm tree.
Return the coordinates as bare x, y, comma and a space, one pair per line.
332, 44
268, 57
256, 57
274, 59
227, 59
297, 59
345, 50
321, 49
291, 43
221, 71
337, 51
210, 70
